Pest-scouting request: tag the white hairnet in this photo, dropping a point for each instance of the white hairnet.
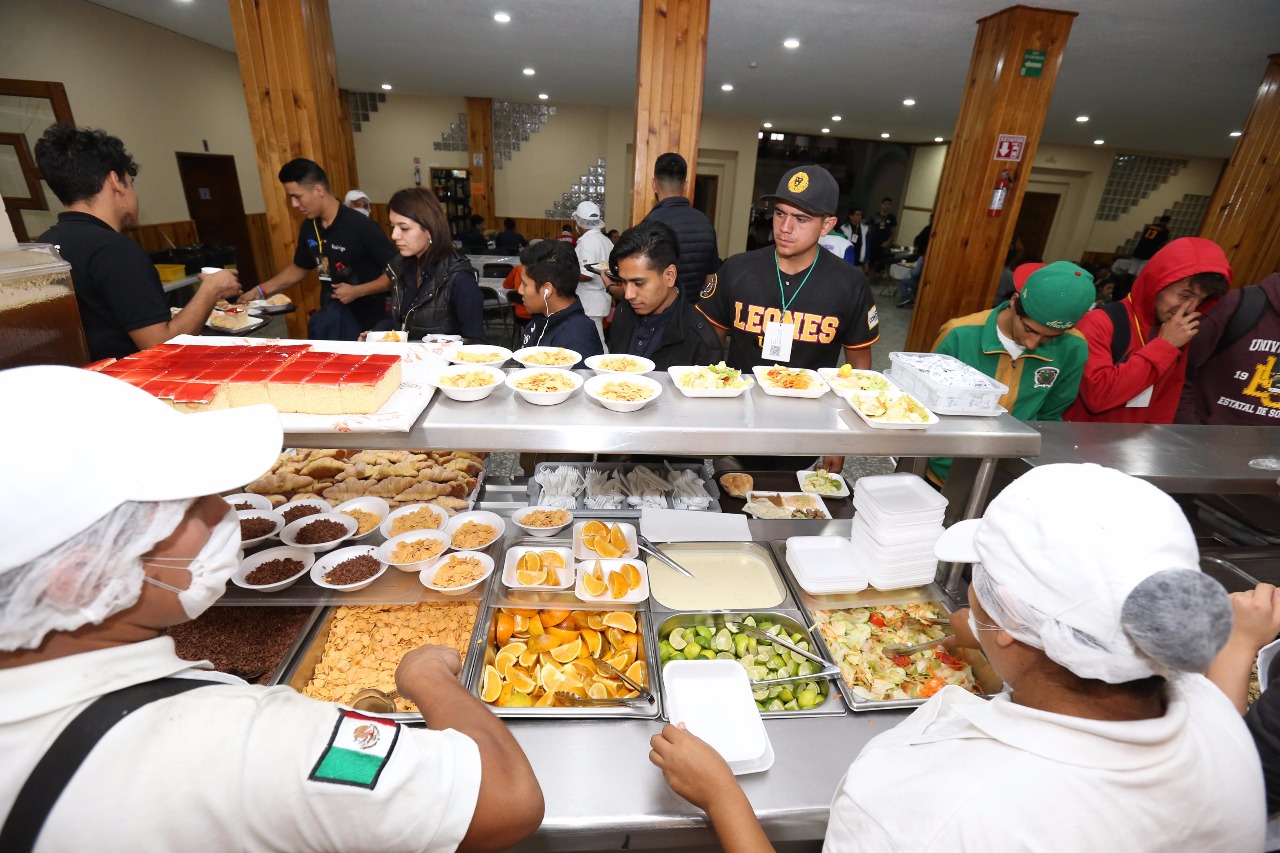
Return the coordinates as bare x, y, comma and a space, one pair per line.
1175, 620
87, 578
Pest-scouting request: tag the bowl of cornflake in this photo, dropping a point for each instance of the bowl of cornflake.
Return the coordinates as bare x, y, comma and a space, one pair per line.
467, 383
614, 363
544, 387
622, 393
542, 520
459, 573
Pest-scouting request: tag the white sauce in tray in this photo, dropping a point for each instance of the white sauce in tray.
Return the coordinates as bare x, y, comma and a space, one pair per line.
725, 580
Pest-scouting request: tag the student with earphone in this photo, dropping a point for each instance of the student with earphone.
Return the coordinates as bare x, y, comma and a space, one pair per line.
549, 287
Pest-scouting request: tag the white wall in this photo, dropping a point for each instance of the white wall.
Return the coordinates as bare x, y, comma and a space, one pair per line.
404, 127
921, 190
158, 91
552, 161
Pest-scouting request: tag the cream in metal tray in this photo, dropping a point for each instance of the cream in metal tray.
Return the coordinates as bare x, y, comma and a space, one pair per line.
724, 579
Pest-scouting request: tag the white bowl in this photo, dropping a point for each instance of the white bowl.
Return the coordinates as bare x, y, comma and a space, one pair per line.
384, 528
271, 515
522, 356
391, 337
324, 565
373, 506
255, 501
319, 503
490, 518
502, 352
284, 551
386, 549
427, 576
544, 398
595, 383
517, 518
290, 533
467, 395
645, 365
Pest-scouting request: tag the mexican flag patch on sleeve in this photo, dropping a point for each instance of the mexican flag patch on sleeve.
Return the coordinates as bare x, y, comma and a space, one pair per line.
357, 750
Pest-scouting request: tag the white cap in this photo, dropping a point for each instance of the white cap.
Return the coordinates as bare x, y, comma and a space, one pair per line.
587, 214
352, 195
1073, 541
82, 443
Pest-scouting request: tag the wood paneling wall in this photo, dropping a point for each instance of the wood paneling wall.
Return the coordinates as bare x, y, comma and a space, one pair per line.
260, 239
165, 235
1244, 213
285, 50
670, 71
968, 247
480, 142
530, 227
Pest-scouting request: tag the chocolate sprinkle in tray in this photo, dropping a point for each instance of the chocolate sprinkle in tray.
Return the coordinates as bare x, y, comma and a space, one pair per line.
248, 642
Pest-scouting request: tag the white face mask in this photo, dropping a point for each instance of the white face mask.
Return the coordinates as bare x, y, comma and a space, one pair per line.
362, 210
973, 626
210, 569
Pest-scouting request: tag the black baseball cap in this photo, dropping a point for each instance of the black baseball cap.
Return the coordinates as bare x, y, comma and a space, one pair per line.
811, 188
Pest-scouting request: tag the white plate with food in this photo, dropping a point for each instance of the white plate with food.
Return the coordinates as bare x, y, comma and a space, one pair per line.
258, 525
236, 320
411, 517
348, 569
782, 381
458, 574
368, 511
716, 380
822, 482
414, 551
544, 386
620, 393
467, 383
891, 410
797, 505
846, 380
557, 357
278, 304
620, 363
472, 531
536, 572
610, 582
620, 536
542, 520
479, 354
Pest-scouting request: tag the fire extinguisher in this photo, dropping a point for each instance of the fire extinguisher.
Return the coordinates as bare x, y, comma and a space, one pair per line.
998, 194
417, 176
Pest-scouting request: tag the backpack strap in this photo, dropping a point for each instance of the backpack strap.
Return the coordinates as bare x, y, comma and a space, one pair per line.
1120, 330
1244, 318
43, 788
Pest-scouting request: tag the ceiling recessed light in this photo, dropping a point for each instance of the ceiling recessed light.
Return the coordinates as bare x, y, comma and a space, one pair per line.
529, 72
1235, 133
937, 139
726, 87
836, 118
502, 17
826, 130
884, 136
909, 102
1082, 119
387, 86
791, 44
542, 96
768, 124
1099, 141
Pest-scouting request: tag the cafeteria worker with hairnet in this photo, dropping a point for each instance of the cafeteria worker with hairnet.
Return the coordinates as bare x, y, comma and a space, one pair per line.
112, 532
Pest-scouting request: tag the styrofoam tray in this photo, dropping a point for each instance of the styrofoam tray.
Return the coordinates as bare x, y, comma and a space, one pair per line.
513, 558
817, 387
713, 700
900, 493
818, 502
844, 485
876, 423
840, 387
582, 552
880, 518
893, 546
635, 596
675, 372
825, 565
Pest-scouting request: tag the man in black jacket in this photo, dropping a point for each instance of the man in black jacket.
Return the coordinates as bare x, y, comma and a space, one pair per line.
651, 319
699, 256
549, 288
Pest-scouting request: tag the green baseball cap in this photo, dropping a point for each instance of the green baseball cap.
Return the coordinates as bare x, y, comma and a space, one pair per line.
1058, 294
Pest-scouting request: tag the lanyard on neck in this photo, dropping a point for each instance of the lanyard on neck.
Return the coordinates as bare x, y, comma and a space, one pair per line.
1137, 324
319, 239
787, 303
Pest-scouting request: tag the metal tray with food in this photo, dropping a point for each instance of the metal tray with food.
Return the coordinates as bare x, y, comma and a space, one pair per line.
546, 663
712, 636
256, 644
352, 650
728, 577
667, 499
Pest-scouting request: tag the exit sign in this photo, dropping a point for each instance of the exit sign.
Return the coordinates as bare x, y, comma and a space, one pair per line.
1033, 63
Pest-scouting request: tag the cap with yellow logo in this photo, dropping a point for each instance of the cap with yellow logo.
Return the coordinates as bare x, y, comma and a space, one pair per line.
810, 188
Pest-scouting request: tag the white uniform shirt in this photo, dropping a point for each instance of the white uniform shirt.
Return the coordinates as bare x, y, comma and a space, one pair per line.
594, 247
964, 773
227, 767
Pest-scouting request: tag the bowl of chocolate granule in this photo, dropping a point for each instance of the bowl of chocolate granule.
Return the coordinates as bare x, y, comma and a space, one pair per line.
257, 525
273, 569
303, 507
319, 532
245, 500
348, 569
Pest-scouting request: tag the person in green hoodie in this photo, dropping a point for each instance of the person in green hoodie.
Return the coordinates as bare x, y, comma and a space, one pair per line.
1027, 343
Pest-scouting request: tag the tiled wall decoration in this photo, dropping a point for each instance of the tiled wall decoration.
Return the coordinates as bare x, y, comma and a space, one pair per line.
1185, 219
1132, 178
362, 105
512, 124
455, 138
590, 187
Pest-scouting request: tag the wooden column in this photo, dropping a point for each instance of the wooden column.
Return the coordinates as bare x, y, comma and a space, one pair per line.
348, 144
1244, 213
480, 149
672, 64
968, 247
290, 77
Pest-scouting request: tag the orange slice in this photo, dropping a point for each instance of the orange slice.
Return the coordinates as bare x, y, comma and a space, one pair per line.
620, 619
553, 617
622, 660
526, 577
606, 549
516, 649
639, 673
528, 657
551, 559
618, 587
598, 691
567, 652
490, 685
520, 681
617, 538
501, 664
594, 585
550, 678
521, 624
505, 626
552, 578
595, 620
535, 626
530, 561
632, 573
592, 640
562, 635
547, 700
542, 643
589, 542
594, 528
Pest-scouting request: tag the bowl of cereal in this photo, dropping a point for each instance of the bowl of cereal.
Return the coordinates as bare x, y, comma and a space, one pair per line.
459, 573
558, 357
368, 511
245, 500
471, 531
467, 382
257, 525
302, 507
413, 517
273, 569
415, 550
542, 520
474, 354
348, 569
321, 532
620, 363
622, 393
544, 387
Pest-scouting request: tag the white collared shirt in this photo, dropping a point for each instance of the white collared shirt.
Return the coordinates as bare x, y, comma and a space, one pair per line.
594, 247
964, 773
223, 767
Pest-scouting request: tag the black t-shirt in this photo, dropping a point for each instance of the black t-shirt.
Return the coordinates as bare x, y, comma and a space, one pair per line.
833, 308
352, 250
882, 225
1153, 237
118, 290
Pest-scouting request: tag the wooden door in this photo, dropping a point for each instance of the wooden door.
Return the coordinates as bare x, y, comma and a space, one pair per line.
212, 188
1035, 221
706, 190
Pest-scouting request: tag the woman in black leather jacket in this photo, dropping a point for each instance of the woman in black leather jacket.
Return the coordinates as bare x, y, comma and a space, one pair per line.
434, 289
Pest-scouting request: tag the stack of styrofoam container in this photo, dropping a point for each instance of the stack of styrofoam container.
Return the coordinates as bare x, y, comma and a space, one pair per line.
826, 565
897, 522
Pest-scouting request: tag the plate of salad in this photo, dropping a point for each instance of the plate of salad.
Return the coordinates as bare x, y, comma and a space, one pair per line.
823, 482
715, 380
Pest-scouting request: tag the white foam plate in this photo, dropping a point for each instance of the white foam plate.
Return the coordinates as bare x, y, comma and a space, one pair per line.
635, 596
900, 493
676, 372
567, 574
825, 564
818, 502
582, 552
841, 386
817, 385
713, 700
842, 493
879, 423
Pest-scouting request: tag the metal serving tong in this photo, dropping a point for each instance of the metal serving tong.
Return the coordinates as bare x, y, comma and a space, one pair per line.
899, 649
610, 669
828, 671
645, 545
645, 697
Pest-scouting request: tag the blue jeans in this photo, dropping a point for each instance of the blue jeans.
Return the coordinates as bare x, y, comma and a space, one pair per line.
907, 286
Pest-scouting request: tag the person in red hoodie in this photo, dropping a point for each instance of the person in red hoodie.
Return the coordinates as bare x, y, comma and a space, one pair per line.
1140, 381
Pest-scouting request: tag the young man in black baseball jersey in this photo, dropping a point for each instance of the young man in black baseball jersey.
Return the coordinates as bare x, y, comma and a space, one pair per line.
790, 303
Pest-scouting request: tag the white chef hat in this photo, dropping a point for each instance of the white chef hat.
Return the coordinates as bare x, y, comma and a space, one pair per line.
1114, 595
587, 214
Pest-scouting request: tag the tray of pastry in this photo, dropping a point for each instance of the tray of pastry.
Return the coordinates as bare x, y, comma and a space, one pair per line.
616, 490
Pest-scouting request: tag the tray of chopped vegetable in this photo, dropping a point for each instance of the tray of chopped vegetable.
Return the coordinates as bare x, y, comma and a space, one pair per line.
891, 410
823, 482
846, 379
873, 679
715, 380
